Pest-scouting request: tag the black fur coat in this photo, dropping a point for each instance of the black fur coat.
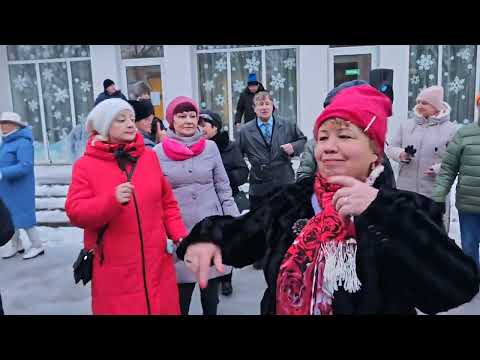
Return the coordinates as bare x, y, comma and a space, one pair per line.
405, 259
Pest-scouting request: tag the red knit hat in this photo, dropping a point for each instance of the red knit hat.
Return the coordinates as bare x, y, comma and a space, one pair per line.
363, 106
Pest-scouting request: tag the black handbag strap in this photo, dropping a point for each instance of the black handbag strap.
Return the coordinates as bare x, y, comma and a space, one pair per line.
122, 158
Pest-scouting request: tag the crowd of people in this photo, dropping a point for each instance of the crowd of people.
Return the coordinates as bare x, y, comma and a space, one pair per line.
339, 236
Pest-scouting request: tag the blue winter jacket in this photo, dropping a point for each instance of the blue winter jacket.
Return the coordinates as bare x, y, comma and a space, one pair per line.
17, 183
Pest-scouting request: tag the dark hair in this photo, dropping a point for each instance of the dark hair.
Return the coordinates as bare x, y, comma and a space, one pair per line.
212, 118
182, 107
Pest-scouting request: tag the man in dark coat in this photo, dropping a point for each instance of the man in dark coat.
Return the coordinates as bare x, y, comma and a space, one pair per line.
269, 143
6, 232
245, 102
235, 166
109, 91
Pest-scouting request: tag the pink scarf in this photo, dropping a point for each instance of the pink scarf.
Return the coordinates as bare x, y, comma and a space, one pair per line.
178, 151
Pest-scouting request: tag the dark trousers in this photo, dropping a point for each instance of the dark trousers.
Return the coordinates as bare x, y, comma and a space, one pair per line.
255, 202
226, 278
208, 297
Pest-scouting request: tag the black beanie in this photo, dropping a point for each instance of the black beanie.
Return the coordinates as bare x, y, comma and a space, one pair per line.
107, 83
143, 109
213, 118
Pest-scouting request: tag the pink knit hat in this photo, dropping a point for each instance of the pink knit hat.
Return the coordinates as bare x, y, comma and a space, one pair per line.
178, 101
432, 95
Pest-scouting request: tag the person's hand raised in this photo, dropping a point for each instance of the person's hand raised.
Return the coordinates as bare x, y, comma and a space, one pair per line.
198, 259
354, 197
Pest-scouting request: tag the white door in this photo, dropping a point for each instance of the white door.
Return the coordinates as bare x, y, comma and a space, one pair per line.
149, 70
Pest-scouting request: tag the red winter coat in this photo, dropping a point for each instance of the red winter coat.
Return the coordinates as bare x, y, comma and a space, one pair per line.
118, 285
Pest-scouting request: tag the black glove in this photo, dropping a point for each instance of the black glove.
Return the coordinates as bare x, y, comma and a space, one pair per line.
410, 150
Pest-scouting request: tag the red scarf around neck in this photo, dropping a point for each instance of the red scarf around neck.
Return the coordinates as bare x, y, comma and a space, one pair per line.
178, 151
318, 261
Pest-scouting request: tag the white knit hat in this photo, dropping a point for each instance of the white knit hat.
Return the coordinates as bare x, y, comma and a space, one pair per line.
12, 117
102, 115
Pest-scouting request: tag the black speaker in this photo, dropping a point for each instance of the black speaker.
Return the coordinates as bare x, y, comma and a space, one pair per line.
382, 80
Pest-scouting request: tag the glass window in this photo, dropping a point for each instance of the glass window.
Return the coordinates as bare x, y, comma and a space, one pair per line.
215, 47
213, 84
242, 64
41, 52
222, 77
458, 76
57, 107
423, 70
26, 102
141, 51
282, 81
65, 100
83, 99
458, 80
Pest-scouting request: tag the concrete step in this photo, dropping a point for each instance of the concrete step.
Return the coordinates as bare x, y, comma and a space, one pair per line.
51, 190
50, 203
53, 218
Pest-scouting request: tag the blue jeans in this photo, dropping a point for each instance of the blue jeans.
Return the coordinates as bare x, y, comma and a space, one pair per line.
470, 233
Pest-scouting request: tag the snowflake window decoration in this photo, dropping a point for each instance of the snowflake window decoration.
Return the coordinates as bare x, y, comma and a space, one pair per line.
464, 54
61, 95
208, 85
238, 86
425, 62
289, 63
415, 80
33, 105
85, 86
456, 85
277, 81
219, 100
221, 65
252, 64
47, 75
20, 82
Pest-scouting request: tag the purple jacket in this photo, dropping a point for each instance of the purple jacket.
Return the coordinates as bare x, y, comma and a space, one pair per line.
202, 189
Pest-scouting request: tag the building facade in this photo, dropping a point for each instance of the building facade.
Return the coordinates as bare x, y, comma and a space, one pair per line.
54, 87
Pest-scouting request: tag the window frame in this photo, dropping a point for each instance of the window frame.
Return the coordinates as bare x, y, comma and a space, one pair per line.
262, 50
68, 61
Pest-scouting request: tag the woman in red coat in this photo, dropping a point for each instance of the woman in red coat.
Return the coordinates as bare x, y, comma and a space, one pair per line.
133, 271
